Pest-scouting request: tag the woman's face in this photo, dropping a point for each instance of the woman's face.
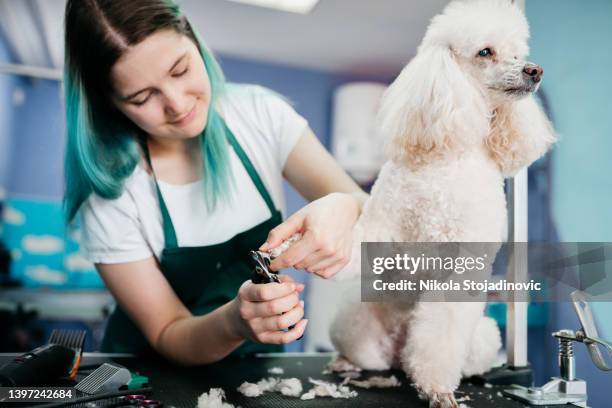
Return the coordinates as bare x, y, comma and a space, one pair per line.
162, 86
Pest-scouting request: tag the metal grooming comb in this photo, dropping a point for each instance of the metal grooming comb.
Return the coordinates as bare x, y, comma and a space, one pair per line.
106, 378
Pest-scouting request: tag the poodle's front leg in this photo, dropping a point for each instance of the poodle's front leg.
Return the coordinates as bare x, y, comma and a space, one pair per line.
485, 344
358, 334
436, 348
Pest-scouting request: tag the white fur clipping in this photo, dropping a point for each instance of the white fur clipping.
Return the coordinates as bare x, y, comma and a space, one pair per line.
326, 389
268, 384
290, 387
250, 390
215, 398
341, 365
276, 371
285, 245
377, 382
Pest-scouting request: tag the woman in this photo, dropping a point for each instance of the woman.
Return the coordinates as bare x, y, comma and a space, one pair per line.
177, 176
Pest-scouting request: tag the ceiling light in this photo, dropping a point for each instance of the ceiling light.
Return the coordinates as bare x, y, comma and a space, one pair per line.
292, 6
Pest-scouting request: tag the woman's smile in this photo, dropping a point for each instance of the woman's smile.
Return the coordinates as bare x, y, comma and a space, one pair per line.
187, 117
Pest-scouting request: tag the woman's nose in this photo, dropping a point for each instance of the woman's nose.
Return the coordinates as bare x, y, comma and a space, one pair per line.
533, 71
175, 105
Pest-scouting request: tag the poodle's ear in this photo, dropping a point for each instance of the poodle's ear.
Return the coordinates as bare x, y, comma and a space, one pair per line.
431, 107
520, 134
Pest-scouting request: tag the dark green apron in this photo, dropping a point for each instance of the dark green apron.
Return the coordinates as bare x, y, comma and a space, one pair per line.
204, 278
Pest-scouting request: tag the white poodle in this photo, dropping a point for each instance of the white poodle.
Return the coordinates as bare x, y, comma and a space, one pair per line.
459, 118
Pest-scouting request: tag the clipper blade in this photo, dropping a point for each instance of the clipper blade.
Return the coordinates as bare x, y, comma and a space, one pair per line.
106, 378
71, 339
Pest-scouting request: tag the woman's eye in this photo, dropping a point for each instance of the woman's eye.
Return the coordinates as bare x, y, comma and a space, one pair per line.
180, 74
485, 52
141, 101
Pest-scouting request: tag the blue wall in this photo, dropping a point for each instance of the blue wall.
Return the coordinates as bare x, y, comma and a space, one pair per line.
7, 86
31, 135
571, 40
38, 142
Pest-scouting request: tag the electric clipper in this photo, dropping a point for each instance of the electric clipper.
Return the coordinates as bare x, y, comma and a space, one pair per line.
59, 358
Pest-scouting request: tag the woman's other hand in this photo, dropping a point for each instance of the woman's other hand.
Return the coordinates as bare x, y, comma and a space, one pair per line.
262, 311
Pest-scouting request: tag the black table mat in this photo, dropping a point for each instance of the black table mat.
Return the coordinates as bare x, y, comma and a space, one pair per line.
180, 387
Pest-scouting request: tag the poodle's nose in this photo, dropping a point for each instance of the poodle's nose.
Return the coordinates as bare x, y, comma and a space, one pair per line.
534, 72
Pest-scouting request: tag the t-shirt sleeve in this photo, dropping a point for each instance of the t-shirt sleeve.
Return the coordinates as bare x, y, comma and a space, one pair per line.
283, 123
112, 231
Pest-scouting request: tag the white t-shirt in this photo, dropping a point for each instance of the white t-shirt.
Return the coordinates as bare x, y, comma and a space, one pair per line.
129, 228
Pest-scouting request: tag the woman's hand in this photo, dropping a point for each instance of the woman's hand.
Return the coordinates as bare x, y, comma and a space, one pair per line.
261, 311
326, 225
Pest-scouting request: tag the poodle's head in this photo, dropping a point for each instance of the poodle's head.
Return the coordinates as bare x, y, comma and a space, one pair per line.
471, 62
488, 40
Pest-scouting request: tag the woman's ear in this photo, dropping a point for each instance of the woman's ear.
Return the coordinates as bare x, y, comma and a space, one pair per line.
431, 106
520, 134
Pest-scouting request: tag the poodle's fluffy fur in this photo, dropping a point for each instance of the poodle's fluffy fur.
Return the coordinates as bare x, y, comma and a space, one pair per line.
457, 121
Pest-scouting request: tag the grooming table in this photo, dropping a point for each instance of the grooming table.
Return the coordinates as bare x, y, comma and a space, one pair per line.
180, 386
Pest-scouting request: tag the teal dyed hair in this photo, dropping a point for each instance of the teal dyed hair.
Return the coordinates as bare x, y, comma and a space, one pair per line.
102, 145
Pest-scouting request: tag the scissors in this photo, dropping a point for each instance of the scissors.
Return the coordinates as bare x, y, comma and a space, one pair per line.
140, 401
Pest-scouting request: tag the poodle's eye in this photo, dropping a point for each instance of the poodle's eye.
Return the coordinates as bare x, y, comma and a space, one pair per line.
485, 52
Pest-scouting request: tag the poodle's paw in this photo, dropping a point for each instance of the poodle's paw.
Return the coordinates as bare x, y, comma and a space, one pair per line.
341, 364
442, 400
437, 399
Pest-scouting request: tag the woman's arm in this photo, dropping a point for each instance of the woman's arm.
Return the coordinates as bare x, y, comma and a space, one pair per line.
326, 223
146, 296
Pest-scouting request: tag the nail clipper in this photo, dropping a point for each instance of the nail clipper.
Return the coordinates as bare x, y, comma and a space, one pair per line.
261, 271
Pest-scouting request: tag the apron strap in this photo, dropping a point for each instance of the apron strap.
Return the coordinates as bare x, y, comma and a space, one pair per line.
246, 162
170, 240
169, 232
